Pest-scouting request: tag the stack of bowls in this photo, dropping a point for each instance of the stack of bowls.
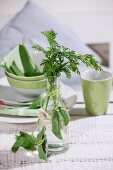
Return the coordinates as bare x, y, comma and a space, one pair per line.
29, 87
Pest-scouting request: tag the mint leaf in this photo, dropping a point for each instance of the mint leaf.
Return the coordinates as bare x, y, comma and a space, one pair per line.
24, 140
65, 115
36, 104
40, 134
28, 137
32, 143
42, 154
20, 140
56, 125
29, 146
42, 144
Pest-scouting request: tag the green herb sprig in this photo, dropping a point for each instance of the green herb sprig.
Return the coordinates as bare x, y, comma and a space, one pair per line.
58, 59
61, 59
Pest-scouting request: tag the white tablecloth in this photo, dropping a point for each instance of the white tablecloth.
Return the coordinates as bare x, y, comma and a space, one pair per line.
91, 147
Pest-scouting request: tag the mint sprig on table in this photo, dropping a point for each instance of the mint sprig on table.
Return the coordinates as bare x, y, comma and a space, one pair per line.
32, 143
58, 59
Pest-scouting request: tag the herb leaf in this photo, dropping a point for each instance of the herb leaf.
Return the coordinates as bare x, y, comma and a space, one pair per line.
19, 142
65, 115
36, 104
30, 138
29, 146
40, 134
61, 59
56, 125
42, 154
42, 144
32, 143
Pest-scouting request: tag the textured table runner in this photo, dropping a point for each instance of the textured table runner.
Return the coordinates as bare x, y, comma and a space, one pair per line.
91, 147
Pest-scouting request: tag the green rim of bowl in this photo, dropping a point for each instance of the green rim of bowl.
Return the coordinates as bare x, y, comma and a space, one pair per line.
27, 84
41, 77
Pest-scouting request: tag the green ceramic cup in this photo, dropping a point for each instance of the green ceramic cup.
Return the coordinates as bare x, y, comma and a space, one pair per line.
96, 87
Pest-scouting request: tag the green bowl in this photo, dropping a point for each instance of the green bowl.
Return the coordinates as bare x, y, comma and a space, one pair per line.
30, 89
40, 77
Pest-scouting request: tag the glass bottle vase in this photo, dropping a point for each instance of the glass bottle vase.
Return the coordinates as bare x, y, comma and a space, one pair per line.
52, 102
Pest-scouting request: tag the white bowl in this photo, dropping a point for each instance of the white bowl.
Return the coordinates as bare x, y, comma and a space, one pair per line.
30, 89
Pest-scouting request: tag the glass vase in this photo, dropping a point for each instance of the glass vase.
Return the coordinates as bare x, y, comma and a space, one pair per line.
53, 100
55, 144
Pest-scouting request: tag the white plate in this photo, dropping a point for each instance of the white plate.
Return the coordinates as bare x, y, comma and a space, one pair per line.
17, 120
8, 94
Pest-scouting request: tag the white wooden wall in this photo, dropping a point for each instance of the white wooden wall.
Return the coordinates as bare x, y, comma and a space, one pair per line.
92, 20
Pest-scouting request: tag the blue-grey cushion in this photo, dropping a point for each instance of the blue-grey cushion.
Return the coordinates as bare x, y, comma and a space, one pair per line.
27, 26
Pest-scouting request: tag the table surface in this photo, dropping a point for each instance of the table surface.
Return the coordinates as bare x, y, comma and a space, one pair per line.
90, 139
